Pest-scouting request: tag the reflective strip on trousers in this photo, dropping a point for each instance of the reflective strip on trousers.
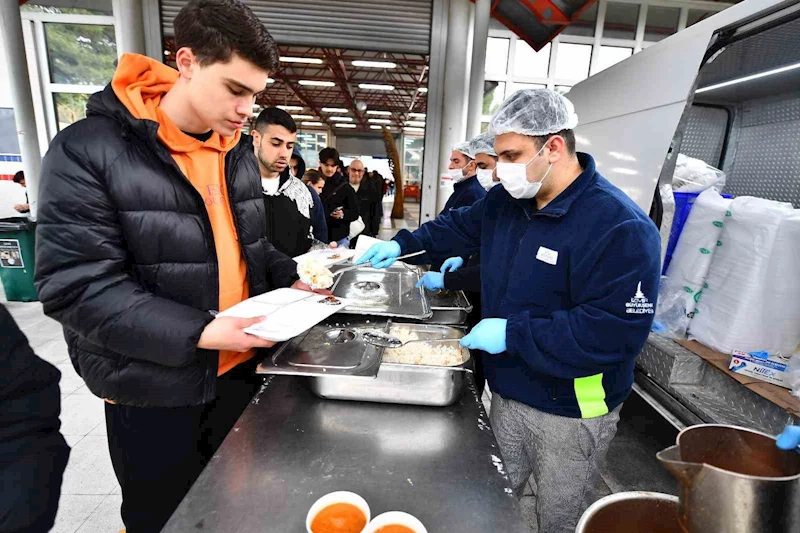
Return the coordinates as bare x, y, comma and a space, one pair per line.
591, 396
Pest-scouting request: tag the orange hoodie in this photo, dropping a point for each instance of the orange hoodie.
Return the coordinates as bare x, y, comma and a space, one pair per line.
140, 83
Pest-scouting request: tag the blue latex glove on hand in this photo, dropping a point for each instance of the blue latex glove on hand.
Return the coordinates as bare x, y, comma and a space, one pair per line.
790, 438
488, 335
381, 255
433, 281
452, 264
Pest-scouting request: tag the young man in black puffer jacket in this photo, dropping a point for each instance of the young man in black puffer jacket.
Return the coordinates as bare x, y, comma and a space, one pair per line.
151, 220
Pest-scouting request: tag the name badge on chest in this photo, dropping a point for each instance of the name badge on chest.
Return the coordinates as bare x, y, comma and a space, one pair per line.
547, 255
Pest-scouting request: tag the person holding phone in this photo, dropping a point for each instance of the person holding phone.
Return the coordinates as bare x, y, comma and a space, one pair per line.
338, 197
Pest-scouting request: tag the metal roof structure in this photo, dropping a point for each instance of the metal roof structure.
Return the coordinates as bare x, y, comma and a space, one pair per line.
346, 90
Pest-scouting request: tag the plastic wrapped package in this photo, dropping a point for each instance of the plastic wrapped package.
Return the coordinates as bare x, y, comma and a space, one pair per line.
751, 297
695, 175
671, 318
668, 203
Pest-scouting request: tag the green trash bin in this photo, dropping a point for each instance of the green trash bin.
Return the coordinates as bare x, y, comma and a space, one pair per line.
17, 253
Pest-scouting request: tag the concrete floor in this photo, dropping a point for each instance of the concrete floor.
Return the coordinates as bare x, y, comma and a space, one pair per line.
90, 495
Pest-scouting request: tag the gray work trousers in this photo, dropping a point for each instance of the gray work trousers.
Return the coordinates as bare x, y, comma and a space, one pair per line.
563, 454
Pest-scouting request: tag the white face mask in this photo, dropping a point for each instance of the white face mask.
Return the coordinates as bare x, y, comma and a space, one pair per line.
514, 178
457, 174
485, 178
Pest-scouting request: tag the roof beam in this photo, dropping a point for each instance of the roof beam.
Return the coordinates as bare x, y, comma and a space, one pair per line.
336, 65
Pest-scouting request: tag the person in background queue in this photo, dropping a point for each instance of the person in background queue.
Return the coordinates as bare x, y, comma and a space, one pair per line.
339, 199
369, 199
569, 278
33, 453
314, 180
297, 165
297, 169
451, 276
151, 221
19, 179
288, 203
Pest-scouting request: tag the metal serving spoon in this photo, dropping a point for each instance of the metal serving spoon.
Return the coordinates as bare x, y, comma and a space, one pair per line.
379, 338
368, 263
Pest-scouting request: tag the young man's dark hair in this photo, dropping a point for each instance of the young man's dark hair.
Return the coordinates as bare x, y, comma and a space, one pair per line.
328, 154
19, 177
276, 116
569, 140
216, 29
145, 233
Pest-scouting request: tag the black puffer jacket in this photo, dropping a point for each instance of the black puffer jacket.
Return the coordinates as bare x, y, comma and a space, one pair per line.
125, 256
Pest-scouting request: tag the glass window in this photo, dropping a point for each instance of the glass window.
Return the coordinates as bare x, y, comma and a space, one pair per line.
621, 21
562, 89
310, 143
572, 61
529, 63
70, 108
496, 55
609, 56
81, 54
520, 86
661, 22
697, 15
414, 147
70, 7
494, 92
585, 23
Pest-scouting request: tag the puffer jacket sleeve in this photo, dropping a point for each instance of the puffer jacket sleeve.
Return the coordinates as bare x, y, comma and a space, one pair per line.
81, 266
281, 269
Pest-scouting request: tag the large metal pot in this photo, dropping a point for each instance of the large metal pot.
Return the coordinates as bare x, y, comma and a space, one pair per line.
734, 480
632, 512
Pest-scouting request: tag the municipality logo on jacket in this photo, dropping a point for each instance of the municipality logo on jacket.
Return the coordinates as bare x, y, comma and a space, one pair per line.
639, 304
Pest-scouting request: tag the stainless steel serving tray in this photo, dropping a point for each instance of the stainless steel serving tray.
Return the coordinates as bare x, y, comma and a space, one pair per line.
333, 348
402, 383
449, 307
388, 292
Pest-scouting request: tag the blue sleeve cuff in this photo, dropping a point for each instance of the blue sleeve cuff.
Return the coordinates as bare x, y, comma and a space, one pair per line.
516, 325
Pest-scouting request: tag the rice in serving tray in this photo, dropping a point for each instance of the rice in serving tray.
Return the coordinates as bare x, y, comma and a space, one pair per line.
422, 353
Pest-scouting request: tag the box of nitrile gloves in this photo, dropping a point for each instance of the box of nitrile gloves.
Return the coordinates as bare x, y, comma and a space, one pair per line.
761, 366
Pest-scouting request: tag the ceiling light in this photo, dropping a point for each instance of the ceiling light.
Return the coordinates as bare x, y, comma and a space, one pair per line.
303, 117
317, 83
417, 115
415, 130
270, 80
749, 78
345, 125
335, 110
256, 106
341, 119
415, 123
309, 60
376, 127
383, 113
379, 120
312, 124
423, 89
291, 107
373, 64
375, 87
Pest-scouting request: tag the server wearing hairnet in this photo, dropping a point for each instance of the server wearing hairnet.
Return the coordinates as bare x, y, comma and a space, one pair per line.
466, 189
569, 278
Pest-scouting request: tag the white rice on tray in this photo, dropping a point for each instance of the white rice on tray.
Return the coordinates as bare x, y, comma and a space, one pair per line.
422, 353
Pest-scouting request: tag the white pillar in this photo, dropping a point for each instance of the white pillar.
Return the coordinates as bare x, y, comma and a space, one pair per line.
455, 83
21, 99
129, 26
477, 72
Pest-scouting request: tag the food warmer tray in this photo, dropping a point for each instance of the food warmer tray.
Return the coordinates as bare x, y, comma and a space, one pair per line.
390, 292
403, 383
449, 307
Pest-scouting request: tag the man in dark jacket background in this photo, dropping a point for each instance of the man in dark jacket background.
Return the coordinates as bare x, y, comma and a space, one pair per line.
339, 199
33, 454
151, 221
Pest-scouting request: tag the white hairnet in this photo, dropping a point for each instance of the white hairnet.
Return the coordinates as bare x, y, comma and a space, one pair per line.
534, 112
464, 148
483, 143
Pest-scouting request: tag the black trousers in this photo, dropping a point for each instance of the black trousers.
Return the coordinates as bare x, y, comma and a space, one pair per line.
158, 452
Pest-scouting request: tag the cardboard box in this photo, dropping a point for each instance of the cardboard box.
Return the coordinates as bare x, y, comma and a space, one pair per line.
760, 366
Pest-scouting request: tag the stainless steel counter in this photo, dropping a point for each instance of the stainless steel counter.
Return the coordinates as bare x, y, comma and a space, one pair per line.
290, 447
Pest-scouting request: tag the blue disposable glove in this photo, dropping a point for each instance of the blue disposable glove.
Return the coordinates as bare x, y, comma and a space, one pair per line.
790, 438
452, 264
381, 255
433, 281
488, 335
